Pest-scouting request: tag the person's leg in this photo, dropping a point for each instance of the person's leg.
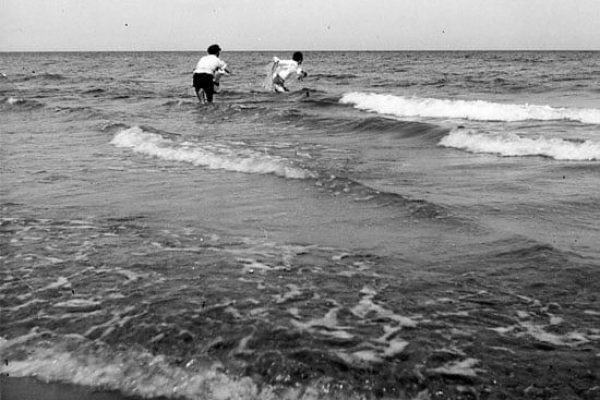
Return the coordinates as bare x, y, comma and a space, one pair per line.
207, 86
216, 82
197, 83
278, 85
200, 95
210, 91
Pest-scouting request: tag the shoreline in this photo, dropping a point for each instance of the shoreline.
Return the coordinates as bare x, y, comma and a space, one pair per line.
30, 388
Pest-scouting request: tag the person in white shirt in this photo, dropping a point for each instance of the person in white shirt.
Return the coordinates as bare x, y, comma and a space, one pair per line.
204, 74
282, 69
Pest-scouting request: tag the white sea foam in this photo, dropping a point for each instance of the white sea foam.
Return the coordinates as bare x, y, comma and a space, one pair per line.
510, 144
459, 368
13, 100
367, 305
210, 156
465, 109
137, 374
539, 332
292, 293
142, 374
79, 305
327, 325
60, 282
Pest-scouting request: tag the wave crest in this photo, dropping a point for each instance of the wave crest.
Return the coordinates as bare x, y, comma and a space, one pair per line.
465, 109
210, 156
136, 372
15, 103
133, 373
510, 144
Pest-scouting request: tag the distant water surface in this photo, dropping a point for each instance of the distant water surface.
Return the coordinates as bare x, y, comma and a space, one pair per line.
407, 225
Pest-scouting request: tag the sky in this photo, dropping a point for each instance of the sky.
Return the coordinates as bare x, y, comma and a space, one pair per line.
174, 25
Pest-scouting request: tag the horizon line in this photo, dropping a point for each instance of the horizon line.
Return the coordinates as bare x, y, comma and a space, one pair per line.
305, 50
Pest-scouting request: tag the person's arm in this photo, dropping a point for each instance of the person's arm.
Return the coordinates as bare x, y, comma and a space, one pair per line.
224, 67
301, 73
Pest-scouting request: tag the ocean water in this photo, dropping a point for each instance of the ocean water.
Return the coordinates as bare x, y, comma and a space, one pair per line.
401, 225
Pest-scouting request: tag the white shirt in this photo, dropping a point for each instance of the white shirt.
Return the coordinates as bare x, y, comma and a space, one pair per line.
284, 68
209, 64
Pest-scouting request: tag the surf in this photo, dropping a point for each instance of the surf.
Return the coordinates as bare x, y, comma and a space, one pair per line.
19, 104
132, 372
211, 156
478, 110
512, 145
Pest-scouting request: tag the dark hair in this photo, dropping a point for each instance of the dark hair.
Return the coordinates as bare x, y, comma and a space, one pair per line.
213, 49
298, 57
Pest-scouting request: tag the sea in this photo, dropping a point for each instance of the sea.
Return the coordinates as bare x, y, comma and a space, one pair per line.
400, 225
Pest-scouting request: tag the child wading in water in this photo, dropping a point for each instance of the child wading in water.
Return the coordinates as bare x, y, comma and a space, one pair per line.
208, 67
282, 69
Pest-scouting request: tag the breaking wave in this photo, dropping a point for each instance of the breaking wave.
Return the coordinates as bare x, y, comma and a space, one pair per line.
510, 145
212, 156
139, 373
465, 109
19, 104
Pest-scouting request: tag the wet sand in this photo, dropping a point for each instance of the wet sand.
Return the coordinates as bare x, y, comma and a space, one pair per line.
33, 389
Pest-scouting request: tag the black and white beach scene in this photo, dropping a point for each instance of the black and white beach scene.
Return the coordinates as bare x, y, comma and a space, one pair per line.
299, 200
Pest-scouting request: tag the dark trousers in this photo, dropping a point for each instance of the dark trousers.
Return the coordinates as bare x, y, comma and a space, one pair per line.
206, 83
